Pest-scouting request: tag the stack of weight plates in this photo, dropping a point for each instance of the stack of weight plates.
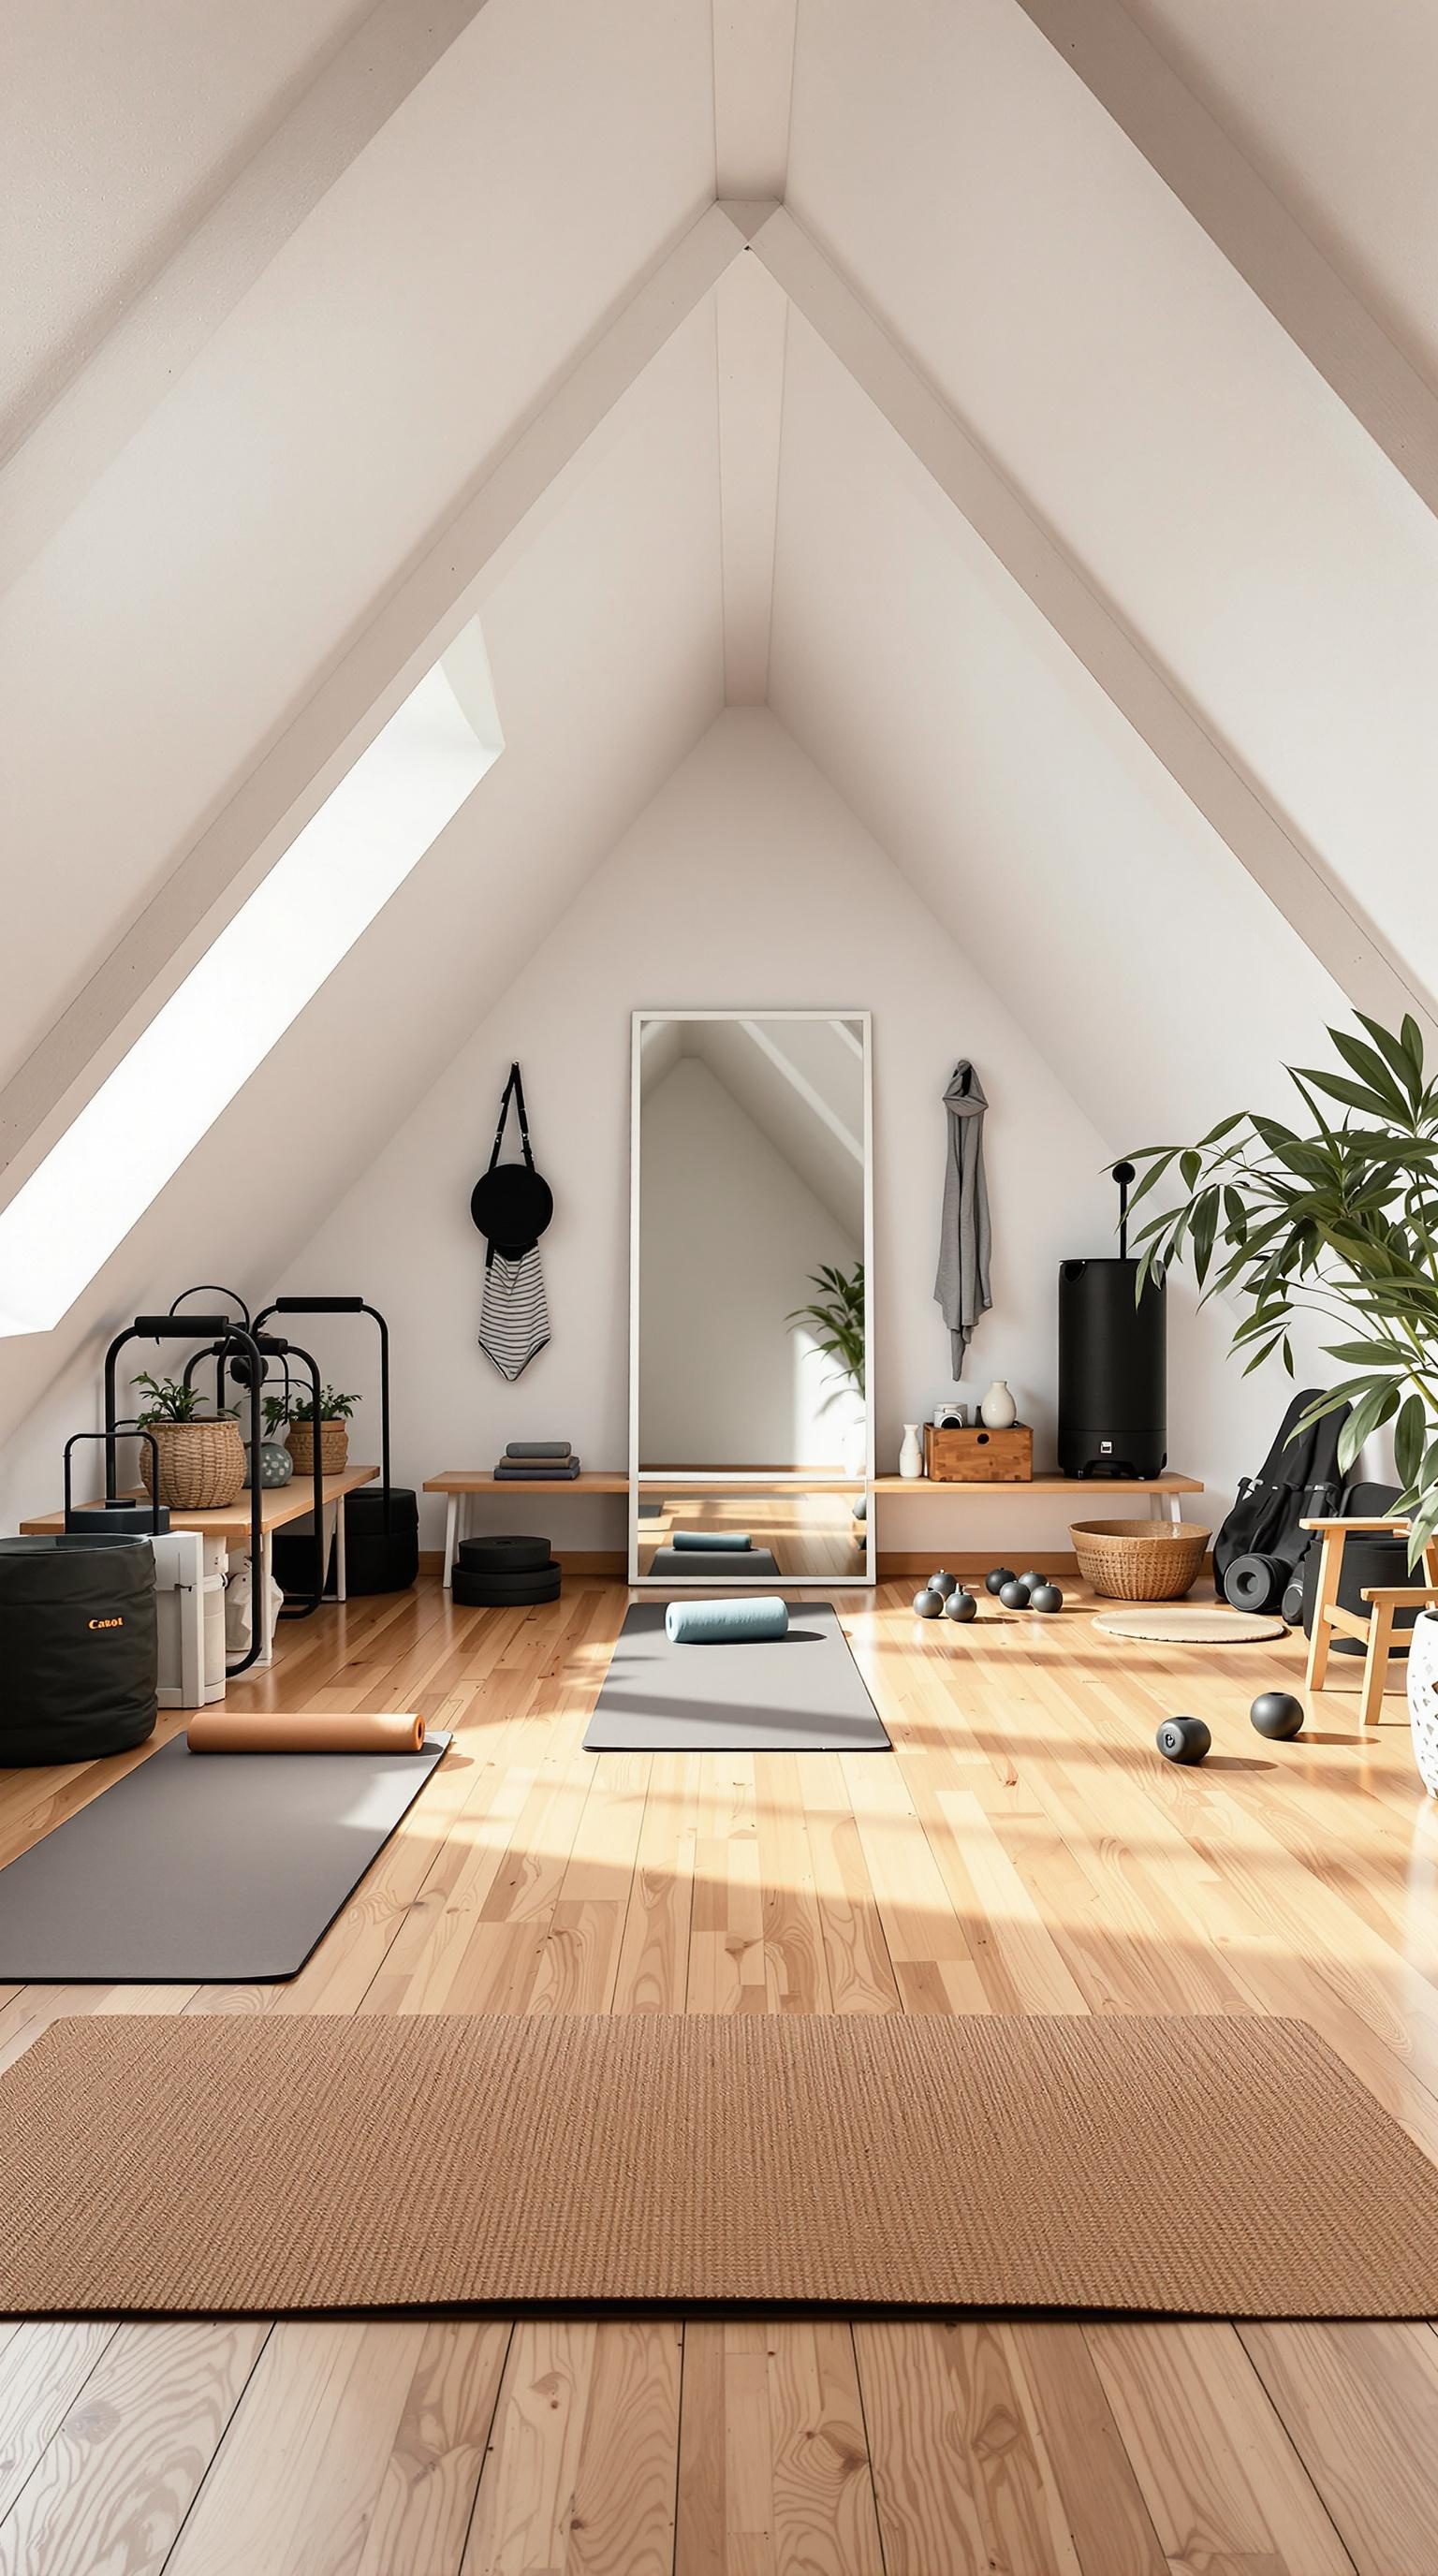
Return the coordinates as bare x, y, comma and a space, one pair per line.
505, 1573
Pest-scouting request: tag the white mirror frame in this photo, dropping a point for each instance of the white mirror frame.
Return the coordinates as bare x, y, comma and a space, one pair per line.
742, 1480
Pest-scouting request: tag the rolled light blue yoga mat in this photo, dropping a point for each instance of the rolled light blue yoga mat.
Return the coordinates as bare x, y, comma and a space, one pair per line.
723, 1623
719, 1541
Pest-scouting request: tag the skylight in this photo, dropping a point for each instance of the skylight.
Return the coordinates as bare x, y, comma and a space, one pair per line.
265, 965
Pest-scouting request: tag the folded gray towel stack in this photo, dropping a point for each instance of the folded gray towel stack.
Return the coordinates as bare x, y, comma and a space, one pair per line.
537, 1471
538, 1449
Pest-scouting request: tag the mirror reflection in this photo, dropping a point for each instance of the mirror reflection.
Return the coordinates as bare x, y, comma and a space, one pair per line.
693, 1538
753, 1182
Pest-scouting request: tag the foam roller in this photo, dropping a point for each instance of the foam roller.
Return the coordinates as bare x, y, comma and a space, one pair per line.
720, 1541
723, 1623
1255, 1582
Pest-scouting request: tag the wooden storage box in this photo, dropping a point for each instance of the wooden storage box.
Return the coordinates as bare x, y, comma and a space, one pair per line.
979, 1457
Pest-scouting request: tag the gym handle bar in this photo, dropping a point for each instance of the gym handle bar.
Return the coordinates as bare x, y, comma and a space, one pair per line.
181, 1328
317, 1306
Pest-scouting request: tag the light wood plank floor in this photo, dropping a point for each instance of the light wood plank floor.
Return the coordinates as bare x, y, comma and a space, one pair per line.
1024, 1850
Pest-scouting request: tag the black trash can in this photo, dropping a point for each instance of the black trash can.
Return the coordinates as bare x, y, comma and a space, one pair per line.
375, 1560
79, 1648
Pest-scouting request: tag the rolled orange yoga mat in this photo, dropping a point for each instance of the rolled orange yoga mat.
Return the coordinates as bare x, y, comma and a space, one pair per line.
222, 1730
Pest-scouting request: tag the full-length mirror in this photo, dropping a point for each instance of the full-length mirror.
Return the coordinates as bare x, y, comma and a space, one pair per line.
750, 1324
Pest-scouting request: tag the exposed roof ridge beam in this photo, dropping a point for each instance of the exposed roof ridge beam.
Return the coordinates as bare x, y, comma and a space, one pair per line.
413, 623
1208, 173
753, 95
751, 316
1291, 874
84, 414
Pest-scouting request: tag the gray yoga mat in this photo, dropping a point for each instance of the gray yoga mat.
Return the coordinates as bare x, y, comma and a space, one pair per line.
203, 1868
719, 1565
797, 1694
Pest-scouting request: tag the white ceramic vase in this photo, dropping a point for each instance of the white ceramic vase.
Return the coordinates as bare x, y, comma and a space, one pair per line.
911, 1456
998, 1410
1423, 1697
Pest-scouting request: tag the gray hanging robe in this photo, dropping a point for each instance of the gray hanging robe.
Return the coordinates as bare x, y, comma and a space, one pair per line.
962, 1285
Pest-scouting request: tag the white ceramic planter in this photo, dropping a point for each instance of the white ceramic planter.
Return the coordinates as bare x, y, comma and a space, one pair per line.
1423, 1697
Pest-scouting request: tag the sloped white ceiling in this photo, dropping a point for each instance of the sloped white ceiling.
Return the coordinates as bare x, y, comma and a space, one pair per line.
1159, 982
115, 122
1335, 105
379, 365
1213, 488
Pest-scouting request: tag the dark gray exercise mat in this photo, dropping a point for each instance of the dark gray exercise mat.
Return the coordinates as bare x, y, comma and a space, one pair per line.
802, 1693
203, 1868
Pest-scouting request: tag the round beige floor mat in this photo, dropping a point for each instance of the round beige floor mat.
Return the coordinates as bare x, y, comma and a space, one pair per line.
1189, 1623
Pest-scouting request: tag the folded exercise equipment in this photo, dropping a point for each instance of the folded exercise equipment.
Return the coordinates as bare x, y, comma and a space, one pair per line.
504, 1552
712, 1541
538, 1449
721, 1623
202, 1869
532, 1471
79, 1647
797, 1693
268, 1730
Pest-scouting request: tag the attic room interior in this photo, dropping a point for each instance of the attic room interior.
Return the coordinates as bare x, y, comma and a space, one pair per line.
719, 1288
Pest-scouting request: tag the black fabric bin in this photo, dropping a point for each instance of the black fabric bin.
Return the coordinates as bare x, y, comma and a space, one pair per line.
79, 1648
374, 1561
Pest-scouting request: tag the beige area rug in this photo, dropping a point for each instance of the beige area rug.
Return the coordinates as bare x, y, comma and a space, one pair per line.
239, 2163
1190, 1623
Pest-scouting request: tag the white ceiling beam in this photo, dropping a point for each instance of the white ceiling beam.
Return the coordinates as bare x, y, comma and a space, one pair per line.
295, 770
1322, 912
79, 419
753, 82
751, 316
1208, 173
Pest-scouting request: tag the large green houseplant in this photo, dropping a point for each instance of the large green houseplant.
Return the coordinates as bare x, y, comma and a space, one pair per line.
1336, 1217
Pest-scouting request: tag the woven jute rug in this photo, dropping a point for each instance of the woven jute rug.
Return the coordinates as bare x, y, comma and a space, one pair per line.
1191, 1624
266, 2162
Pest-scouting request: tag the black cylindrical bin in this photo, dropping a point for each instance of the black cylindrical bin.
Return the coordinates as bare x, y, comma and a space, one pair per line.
1113, 1371
79, 1648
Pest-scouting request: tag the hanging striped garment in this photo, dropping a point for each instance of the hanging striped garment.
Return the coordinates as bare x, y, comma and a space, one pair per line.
514, 1317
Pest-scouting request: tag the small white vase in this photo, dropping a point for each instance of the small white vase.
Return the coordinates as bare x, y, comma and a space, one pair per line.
911, 1456
998, 1410
1423, 1697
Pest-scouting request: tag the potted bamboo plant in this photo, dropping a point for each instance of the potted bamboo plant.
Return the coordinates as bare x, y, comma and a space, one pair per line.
335, 1411
1335, 1217
201, 1455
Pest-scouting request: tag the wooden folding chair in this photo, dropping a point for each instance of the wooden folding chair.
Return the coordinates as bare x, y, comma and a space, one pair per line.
1376, 1627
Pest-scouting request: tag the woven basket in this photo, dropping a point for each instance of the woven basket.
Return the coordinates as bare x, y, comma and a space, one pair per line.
202, 1464
1139, 1560
334, 1447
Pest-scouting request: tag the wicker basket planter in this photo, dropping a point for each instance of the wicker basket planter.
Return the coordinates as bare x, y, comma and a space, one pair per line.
334, 1447
202, 1464
1140, 1560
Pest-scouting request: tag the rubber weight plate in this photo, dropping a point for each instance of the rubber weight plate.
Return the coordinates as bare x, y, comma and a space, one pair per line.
488, 1593
504, 1555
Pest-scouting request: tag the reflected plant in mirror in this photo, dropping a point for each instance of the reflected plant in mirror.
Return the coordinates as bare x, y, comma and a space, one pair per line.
837, 1316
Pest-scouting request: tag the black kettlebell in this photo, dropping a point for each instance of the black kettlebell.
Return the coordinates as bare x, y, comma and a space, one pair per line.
961, 1605
1001, 1575
1183, 1739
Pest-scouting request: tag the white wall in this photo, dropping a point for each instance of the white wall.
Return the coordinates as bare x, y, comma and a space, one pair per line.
746, 882
730, 1239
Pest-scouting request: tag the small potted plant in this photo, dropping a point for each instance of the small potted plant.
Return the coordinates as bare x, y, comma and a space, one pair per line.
202, 1457
334, 1414
835, 1326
